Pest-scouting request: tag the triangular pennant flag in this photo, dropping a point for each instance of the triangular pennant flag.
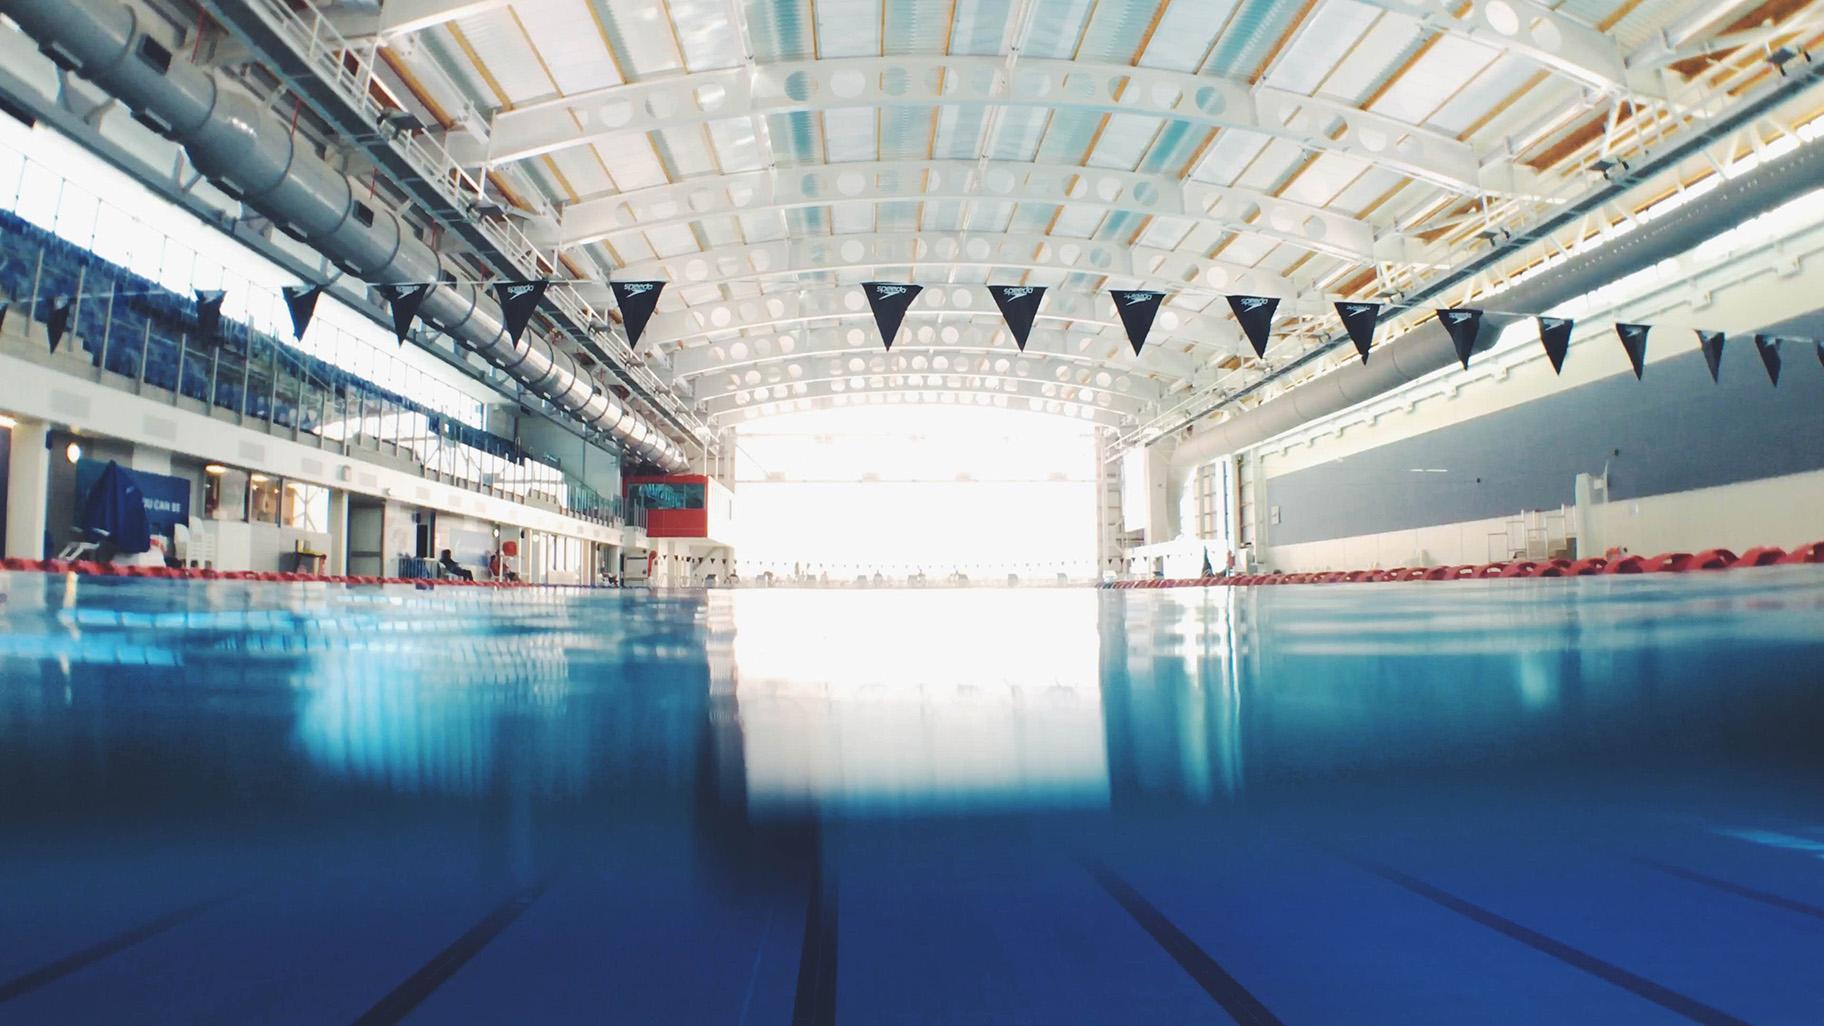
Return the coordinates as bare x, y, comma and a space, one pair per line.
1019, 305
209, 313
58, 319
1634, 341
1712, 344
1769, 345
1462, 326
889, 301
1256, 316
1555, 336
1137, 310
636, 300
4, 307
301, 300
1359, 320
518, 300
405, 299
1820, 341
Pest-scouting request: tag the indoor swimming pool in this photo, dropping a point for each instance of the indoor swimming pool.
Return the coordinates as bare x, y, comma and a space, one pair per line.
1584, 800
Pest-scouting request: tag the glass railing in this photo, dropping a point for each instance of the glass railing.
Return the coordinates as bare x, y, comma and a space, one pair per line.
143, 337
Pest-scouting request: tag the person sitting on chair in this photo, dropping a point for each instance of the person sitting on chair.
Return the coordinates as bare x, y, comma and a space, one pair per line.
451, 568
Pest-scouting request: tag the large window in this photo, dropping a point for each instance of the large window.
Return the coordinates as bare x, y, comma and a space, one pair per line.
224, 493
305, 507
263, 498
672, 495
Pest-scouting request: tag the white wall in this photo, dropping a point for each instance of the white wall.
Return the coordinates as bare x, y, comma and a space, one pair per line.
63, 389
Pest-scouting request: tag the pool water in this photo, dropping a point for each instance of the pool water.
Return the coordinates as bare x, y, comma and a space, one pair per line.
1589, 800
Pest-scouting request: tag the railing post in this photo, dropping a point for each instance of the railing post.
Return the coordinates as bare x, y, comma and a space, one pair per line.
145, 353
215, 367
107, 324
183, 350
272, 389
75, 329
31, 311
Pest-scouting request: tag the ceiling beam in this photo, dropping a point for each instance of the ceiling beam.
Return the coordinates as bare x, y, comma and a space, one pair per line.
1534, 32
1019, 395
929, 256
978, 346
703, 198
397, 18
876, 82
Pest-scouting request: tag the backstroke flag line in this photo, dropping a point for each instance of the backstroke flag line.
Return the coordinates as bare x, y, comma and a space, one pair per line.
1555, 336
1634, 342
405, 301
1019, 305
1256, 316
1711, 342
1463, 326
518, 300
1359, 320
301, 300
1137, 310
636, 300
889, 300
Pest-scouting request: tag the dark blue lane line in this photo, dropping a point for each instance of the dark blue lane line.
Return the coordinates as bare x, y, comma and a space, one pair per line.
815, 1002
443, 965
1666, 998
52, 972
1729, 886
1234, 998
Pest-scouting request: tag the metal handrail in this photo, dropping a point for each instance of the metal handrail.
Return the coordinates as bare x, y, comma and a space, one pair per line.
325, 49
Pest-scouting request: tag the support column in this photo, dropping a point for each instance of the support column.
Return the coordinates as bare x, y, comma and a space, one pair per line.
28, 487
338, 533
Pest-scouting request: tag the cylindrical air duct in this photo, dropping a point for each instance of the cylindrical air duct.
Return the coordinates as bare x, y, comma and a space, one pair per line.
253, 155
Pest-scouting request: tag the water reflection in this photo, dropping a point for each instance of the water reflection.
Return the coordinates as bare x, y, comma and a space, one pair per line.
332, 786
914, 701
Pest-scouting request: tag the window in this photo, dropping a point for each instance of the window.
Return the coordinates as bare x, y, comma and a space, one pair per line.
263, 499
654, 495
224, 493
305, 507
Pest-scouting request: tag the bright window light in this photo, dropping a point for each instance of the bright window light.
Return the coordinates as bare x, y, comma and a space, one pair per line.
901, 490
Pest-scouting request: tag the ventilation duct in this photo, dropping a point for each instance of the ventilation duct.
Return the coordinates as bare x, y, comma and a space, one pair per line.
253, 155
1423, 351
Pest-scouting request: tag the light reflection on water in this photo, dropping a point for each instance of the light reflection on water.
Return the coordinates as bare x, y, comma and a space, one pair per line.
914, 701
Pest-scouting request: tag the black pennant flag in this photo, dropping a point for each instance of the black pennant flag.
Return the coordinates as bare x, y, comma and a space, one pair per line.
1820, 341
1137, 310
58, 319
1462, 326
889, 301
1256, 316
518, 299
1712, 344
1769, 345
1634, 341
636, 300
405, 299
1019, 305
209, 313
1555, 336
4, 306
1359, 320
301, 300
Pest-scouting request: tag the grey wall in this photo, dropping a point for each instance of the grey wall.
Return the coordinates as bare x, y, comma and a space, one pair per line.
594, 466
1671, 432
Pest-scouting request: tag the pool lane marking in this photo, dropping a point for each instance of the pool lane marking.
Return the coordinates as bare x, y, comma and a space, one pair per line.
52, 972
1640, 986
815, 1002
1235, 999
443, 965
1739, 890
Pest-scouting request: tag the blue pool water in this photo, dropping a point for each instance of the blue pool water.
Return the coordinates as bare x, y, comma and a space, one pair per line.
1591, 800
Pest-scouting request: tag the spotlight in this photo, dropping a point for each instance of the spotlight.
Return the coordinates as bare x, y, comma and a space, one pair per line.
72, 452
